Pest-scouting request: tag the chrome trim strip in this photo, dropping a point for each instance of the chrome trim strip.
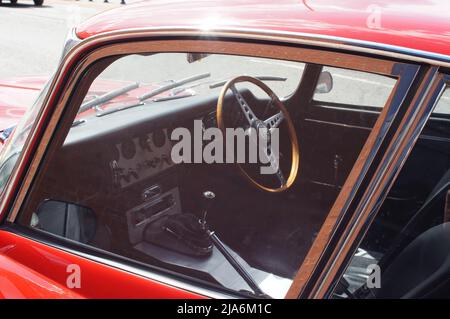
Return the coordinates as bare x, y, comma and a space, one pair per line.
324, 41
338, 124
347, 108
434, 138
166, 280
71, 41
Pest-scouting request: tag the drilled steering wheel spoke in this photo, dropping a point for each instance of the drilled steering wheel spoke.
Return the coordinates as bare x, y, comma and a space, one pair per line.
275, 166
274, 163
249, 115
274, 121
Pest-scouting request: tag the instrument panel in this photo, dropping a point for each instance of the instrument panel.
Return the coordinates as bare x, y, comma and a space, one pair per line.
138, 158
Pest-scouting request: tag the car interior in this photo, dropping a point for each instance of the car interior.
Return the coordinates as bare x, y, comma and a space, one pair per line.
409, 237
113, 185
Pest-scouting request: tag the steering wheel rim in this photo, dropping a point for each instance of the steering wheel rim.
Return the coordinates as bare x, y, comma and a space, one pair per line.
295, 157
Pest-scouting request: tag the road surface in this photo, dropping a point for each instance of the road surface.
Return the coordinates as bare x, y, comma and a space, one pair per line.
32, 37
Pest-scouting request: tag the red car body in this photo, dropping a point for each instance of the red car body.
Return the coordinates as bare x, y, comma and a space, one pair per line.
29, 269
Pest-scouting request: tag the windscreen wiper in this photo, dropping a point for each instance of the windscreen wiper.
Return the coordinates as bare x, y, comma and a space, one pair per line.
124, 106
173, 85
107, 97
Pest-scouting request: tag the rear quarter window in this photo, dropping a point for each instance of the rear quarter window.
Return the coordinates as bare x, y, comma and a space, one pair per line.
443, 106
355, 88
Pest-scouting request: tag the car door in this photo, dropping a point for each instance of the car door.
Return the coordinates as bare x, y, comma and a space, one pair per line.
36, 268
52, 172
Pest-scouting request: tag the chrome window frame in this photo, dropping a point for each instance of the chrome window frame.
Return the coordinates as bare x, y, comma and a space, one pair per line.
77, 59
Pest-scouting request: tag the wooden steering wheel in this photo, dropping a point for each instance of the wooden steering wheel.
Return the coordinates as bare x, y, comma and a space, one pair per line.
264, 129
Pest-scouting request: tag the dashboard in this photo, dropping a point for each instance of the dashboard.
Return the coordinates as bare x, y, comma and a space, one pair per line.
139, 158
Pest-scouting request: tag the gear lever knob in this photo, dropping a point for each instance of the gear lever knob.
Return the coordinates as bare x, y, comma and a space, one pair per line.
208, 199
207, 202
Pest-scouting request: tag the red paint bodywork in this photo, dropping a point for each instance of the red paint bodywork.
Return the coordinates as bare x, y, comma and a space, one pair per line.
16, 95
19, 282
412, 24
46, 275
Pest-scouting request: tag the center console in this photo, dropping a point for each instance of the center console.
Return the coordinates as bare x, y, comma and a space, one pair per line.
156, 201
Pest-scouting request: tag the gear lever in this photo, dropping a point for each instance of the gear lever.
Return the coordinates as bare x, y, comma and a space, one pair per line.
188, 234
207, 202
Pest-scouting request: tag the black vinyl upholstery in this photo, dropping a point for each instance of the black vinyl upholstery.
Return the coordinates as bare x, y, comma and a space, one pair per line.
422, 269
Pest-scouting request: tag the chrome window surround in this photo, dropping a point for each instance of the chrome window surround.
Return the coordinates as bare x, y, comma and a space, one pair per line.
76, 60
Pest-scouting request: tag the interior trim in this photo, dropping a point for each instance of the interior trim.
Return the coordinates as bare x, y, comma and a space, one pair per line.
338, 124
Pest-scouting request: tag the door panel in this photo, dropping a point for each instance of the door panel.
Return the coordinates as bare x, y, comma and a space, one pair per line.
20, 282
335, 124
335, 137
49, 266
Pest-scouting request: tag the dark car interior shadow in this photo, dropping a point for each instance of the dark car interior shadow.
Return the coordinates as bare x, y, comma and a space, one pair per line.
23, 5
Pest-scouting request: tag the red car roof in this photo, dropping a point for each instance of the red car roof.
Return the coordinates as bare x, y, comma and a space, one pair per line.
412, 24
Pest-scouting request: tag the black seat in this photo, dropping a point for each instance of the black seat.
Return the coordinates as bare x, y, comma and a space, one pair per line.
418, 220
74, 222
421, 270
